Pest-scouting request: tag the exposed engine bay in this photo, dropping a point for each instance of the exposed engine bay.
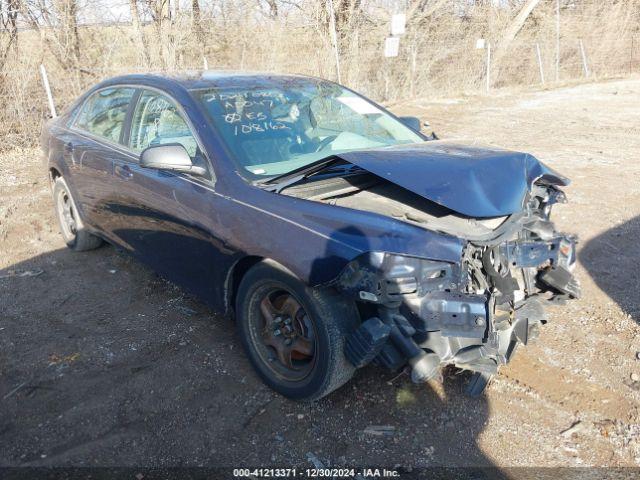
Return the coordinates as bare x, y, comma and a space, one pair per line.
472, 314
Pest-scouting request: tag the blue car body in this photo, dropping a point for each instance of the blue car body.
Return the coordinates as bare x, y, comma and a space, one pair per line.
203, 232
194, 231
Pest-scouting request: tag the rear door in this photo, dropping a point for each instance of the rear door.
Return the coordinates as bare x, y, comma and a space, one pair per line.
97, 142
168, 219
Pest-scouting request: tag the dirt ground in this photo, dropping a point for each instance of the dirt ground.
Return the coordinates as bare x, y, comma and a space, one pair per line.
104, 363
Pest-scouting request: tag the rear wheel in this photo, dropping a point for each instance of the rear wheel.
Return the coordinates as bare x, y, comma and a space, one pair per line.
294, 335
75, 235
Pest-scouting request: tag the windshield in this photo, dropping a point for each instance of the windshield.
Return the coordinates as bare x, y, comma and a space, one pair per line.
275, 127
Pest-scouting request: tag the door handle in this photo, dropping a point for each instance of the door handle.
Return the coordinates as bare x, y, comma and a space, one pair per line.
68, 149
124, 171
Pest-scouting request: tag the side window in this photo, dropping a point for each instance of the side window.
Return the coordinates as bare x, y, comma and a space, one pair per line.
157, 121
103, 114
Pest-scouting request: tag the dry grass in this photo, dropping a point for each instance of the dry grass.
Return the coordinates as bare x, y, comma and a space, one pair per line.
437, 54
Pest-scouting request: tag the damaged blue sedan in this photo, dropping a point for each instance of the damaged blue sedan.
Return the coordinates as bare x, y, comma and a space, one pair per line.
334, 232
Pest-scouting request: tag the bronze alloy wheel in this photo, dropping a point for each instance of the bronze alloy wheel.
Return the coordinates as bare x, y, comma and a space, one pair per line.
294, 334
283, 334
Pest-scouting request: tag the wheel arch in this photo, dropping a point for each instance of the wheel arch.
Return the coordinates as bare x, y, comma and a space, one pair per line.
234, 277
53, 174
237, 272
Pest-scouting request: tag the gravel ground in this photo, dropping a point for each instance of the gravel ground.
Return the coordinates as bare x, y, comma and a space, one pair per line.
104, 363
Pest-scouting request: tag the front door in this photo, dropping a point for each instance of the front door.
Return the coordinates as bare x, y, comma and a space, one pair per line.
168, 219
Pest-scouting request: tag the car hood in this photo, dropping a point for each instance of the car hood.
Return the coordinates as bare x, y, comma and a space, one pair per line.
472, 180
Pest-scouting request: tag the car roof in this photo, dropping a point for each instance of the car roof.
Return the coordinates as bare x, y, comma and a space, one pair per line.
193, 80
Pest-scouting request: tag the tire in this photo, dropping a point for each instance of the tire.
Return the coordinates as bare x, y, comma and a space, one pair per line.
325, 319
72, 228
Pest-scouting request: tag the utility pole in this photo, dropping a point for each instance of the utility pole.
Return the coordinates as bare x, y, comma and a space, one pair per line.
488, 66
47, 89
585, 67
540, 67
557, 40
334, 37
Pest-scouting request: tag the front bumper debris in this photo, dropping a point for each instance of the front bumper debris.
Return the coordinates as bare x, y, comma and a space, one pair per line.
426, 314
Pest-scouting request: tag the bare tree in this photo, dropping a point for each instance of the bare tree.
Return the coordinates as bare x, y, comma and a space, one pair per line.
139, 33
346, 14
67, 13
513, 28
164, 22
273, 8
8, 23
162, 18
517, 23
57, 23
197, 20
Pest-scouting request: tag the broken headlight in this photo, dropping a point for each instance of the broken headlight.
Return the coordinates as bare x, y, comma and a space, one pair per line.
385, 278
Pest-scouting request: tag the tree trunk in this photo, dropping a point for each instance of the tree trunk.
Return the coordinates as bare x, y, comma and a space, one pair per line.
517, 23
273, 8
196, 19
73, 27
10, 24
69, 37
139, 33
510, 34
162, 21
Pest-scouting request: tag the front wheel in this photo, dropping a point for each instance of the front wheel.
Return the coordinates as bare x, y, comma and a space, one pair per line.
294, 335
75, 235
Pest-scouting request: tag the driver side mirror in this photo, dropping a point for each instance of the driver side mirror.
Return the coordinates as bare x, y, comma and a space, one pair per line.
411, 122
170, 156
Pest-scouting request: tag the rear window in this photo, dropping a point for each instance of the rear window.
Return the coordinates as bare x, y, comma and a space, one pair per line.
104, 112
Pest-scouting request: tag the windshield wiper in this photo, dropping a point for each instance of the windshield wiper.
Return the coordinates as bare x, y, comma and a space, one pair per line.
325, 169
297, 171
280, 182
330, 165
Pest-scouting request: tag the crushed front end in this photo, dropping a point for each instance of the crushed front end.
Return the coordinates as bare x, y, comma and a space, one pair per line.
472, 314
